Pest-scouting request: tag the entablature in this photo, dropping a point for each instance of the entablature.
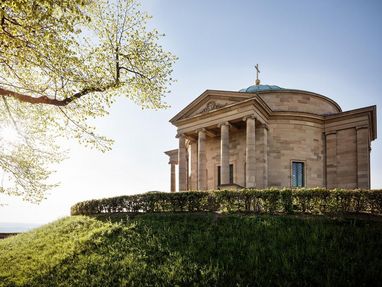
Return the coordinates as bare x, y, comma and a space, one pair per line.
353, 119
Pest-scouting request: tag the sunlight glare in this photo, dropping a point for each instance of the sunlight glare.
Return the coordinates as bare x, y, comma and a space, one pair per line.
9, 135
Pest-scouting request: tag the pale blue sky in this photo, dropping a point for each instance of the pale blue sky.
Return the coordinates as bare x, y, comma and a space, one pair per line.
329, 47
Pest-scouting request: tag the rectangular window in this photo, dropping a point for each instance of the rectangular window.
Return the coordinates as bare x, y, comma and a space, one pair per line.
230, 174
298, 176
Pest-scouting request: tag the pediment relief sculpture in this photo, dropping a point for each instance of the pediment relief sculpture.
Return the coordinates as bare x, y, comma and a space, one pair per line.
212, 105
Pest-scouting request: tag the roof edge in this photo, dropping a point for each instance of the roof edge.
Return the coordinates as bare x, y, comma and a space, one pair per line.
247, 94
372, 110
283, 90
200, 98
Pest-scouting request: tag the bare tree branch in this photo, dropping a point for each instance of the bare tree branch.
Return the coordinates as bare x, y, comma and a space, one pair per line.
55, 102
134, 72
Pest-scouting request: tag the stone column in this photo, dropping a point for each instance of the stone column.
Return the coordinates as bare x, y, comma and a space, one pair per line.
250, 153
173, 177
194, 166
173, 161
182, 163
262, 161
202, 161
363, 157
224, 153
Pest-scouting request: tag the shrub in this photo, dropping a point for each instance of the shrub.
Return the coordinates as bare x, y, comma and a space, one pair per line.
272, 201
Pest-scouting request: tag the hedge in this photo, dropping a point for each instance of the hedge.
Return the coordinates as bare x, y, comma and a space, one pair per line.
272, 201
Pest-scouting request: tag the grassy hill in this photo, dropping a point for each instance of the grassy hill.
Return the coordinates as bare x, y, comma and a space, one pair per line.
195, 250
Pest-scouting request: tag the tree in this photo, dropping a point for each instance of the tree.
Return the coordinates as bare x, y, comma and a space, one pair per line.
63, 62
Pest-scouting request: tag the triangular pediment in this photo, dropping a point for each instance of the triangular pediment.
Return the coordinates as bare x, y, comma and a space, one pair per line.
210, 101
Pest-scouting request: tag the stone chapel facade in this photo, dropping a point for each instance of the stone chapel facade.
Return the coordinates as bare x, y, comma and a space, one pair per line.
267, 136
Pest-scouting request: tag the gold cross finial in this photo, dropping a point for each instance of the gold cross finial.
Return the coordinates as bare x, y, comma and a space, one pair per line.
257, 74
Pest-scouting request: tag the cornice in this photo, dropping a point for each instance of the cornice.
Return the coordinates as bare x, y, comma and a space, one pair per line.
370, 112
291, 115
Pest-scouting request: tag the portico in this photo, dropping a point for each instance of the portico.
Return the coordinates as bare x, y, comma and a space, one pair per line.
202, 166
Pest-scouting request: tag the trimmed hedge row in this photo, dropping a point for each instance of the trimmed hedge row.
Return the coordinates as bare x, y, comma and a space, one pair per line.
273, 201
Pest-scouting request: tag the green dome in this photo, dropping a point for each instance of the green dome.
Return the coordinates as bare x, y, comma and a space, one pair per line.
260, 88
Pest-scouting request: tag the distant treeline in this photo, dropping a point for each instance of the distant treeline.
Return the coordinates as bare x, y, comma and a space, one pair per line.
6, 234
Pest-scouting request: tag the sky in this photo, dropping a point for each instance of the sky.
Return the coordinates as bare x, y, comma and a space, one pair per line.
330, 47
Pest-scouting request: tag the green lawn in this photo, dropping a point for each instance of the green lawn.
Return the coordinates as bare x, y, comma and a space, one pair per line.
195, 250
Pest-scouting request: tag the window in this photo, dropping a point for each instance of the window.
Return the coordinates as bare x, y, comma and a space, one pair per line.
230, 174
298, 174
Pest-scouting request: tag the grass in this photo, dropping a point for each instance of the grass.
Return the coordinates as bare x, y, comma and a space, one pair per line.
195, 250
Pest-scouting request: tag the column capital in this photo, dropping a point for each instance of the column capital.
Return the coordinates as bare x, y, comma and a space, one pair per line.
224, 124
245, 118
190, 138
180, 135
362, 127
330, 133
201, 130
265, 126
173, 156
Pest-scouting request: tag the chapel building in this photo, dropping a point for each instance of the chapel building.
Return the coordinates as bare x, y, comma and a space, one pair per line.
267, 136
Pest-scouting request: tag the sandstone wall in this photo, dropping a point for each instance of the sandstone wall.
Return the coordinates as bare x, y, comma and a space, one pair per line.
293, 140
348, 158
299, 102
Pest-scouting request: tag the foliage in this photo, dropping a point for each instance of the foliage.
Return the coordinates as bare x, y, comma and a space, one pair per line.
63, 63
195, 250
311, 201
